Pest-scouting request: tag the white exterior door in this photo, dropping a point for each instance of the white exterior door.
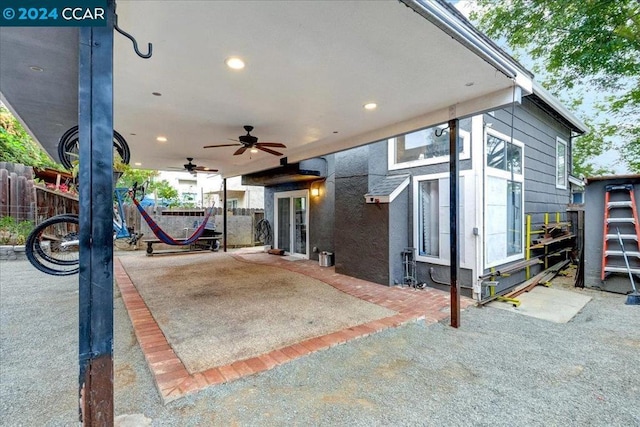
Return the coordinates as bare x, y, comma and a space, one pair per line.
291, 222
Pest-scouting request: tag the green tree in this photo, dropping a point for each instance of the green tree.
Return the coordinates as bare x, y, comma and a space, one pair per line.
593, 44
164, 190
16, 146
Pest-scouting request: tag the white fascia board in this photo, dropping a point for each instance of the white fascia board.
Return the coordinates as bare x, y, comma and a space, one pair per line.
398, 190
576, 181
553, 102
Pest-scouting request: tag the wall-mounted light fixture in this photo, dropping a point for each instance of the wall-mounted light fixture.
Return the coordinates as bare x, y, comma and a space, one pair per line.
315, 188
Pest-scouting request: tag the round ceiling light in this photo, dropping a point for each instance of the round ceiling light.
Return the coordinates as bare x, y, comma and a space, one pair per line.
137, 164
161, 139
36, 68
234, 63
370, 106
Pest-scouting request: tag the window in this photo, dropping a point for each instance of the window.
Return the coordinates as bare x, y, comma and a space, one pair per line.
432, 231
426, 146
514, 218
232, 204
504, 199
503, 155
561, 163
429, 210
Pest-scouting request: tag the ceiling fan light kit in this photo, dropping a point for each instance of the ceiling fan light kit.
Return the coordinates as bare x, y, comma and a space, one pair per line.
250, 142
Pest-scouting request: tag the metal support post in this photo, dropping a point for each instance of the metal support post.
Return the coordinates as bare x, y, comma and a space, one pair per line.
454, 199
95, 118
224, 213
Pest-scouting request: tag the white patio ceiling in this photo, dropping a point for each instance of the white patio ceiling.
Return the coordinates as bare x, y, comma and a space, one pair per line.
310, 68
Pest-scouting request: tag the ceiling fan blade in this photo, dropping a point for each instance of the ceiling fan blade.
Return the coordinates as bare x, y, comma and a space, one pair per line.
240, 151
205, 169
220, 145
272, 144
275, 153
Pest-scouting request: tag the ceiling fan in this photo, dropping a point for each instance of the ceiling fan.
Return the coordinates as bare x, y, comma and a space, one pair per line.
251, 142
193, 168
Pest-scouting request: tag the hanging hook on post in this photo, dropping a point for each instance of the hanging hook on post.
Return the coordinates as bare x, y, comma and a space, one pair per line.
135, 43
438, 132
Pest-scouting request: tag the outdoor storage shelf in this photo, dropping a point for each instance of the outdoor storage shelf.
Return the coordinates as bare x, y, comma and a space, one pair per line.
548, 242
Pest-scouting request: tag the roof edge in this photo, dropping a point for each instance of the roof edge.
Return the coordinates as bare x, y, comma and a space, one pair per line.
553, 102
452, 22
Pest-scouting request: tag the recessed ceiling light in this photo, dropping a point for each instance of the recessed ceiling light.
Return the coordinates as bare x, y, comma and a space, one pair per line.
370, 106
36, 68
469, 84
234, 63
132, 134
335, 131
254, 150
161, 139
138, 164
156, 93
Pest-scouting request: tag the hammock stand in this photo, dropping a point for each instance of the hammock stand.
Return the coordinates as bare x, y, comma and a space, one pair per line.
164, 237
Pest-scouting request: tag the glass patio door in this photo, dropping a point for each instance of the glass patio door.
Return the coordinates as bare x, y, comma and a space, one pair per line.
291, 219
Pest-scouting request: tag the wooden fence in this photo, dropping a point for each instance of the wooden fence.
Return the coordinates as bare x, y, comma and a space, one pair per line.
23, 200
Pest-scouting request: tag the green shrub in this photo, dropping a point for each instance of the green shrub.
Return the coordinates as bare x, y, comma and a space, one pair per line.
14, 232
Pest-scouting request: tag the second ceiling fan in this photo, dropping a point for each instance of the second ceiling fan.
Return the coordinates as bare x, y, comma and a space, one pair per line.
249, 141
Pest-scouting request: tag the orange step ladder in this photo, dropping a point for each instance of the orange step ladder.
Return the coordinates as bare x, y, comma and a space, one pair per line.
620, 211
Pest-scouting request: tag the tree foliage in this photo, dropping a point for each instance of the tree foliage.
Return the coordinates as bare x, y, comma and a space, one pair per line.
589, 43
16, 146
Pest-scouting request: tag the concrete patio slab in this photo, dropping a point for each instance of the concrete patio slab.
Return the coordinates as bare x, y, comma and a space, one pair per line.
547, 303
174, 380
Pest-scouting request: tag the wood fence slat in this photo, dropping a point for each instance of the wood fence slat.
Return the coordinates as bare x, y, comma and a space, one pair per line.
4, 192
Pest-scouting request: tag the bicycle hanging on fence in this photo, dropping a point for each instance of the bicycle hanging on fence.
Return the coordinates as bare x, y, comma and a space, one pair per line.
53, 247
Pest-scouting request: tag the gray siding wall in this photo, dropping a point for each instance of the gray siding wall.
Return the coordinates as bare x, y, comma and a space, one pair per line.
537, 130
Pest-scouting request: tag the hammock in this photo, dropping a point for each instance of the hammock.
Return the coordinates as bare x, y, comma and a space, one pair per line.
164, 237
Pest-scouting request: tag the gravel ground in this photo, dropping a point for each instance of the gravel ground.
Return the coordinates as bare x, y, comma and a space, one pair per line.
499, 368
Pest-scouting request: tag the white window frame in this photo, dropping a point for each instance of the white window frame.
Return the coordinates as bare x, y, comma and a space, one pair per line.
290, 195
506, 175
562, 185
464, 154
466, 247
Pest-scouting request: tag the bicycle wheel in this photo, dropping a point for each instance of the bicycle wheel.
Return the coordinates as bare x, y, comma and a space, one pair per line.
68, 148
53, 246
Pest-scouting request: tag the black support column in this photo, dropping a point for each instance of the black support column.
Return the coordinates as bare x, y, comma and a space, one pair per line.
454, 223
224, 214
95, 106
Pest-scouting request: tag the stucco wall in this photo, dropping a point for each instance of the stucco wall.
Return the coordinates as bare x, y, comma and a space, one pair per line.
361, 233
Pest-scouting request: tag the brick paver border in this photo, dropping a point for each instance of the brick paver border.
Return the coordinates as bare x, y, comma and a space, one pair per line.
174, 381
